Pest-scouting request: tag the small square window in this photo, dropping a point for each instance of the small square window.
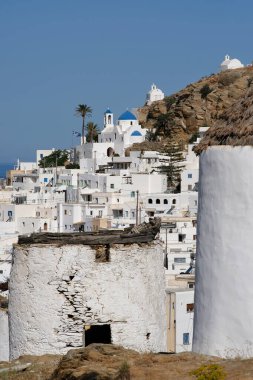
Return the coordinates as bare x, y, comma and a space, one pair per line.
186, 338
112, 186
190, 307
189, 175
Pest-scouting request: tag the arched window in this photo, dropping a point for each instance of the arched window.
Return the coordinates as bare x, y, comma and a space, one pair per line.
157, 201
110, 152
174, 201
165, 201
45, 226
150, 200
109, 119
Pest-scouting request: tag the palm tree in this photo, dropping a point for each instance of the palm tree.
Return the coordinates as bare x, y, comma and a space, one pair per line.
83, 110
92, 132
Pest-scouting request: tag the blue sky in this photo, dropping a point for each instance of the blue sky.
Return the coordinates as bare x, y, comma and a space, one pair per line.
56, 54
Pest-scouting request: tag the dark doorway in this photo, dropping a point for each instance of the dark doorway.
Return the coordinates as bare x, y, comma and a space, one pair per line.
97, 334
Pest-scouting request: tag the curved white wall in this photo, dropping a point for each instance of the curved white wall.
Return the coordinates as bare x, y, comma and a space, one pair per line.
55, 291
224, 266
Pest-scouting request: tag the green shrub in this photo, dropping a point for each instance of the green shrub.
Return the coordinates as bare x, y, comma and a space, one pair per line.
209, 372
169, 100
205, 90
193, 137
72, 165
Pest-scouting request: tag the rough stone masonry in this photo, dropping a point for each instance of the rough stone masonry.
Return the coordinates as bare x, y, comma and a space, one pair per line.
60, 291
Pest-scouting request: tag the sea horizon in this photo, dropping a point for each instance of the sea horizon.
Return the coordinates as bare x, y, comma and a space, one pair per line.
4, 167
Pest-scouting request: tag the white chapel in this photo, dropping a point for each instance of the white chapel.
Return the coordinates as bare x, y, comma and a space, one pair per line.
154, 94
230, 64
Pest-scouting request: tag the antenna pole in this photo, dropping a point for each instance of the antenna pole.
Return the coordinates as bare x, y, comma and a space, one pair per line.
137, 209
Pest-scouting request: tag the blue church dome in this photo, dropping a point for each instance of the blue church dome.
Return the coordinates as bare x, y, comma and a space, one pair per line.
127, 116
108, 110
136, 133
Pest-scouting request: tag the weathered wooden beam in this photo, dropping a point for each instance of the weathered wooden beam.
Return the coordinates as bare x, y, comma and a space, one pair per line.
143, 233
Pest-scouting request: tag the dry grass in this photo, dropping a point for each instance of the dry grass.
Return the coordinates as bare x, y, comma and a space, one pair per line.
108, 362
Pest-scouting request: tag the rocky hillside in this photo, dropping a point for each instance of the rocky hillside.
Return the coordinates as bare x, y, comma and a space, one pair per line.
178, 117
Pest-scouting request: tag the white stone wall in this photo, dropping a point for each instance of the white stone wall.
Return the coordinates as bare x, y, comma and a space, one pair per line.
184, 319
4, 336
55, 291
224, 265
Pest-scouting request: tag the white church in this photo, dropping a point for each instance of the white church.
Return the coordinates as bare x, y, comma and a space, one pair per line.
230, 63
154, 95
114, 139
124, 133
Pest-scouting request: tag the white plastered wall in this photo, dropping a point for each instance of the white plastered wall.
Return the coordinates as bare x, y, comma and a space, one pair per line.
55, 291
224, 266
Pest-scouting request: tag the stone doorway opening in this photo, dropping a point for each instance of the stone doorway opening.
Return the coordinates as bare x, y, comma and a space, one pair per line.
97, 334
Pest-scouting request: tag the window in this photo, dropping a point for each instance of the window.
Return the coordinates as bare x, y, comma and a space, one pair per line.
189, 187
23, 224
65, 212
1, 271
150, 201
189, 175
186, 338
70, 212
117, 213
174, 201
91, 213
179, 260
112, 186
132, 194
97, 334
100, 213
196, 203
165, 201
194, 237
133, 214
126, 214
66, 226
157, 201
190, 285
190, 307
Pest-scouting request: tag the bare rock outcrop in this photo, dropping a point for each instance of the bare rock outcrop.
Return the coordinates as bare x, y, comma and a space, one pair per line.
199, 104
